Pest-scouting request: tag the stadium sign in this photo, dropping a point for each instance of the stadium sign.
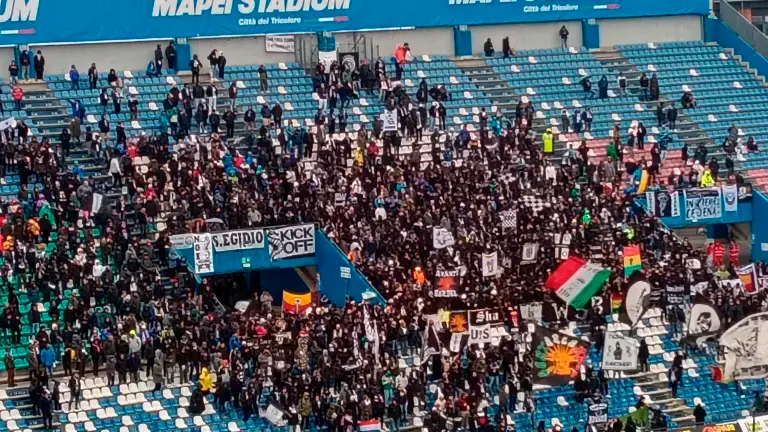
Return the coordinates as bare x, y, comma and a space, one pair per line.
36, 22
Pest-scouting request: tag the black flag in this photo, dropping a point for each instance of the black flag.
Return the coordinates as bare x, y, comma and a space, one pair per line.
705, 321
430, 343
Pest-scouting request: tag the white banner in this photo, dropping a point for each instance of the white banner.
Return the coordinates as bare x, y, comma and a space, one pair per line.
274, 415
7, 123
442, 238
490, 264
531, 312
389, 120
731, 197
292, 241
203, 244
96, 203
327, 58
183, 241
280, 44
619, 352
530, 253
238, 240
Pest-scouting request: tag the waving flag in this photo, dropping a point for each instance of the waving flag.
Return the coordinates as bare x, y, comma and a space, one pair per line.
576, 280
632, 259
296, 303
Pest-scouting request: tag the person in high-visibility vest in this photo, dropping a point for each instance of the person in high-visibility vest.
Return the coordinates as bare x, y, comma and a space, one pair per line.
717, 251
549, 142
706, 179
733, 253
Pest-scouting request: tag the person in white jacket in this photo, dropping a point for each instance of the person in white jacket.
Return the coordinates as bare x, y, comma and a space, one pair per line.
116, 172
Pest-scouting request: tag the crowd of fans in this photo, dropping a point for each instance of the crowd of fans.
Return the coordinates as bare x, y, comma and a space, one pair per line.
131, 309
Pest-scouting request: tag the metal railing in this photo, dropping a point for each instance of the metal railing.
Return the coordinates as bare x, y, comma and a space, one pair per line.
741, 25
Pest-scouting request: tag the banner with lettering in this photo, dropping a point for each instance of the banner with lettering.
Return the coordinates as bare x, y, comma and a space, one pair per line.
702, 204
557, 357
447, 283
484, 324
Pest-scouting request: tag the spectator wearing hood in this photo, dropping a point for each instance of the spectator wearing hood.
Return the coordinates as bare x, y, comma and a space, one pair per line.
488, 48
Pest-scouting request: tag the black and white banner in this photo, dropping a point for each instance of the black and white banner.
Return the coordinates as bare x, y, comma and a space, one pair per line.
389, 120
704, 322
203, 246
238, 240
442, 238
350, 60
509, 219
482, 323
597, 413
280, 44
491, 264
10, 122
663, 203
531, 312
619, 352
675, 294
563, 245
292, 241
731, 197
530, 253
702, 204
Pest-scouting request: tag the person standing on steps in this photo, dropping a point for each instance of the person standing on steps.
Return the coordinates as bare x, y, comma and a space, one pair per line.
170, 55
563, 37
39, 65
159, 60
10, 367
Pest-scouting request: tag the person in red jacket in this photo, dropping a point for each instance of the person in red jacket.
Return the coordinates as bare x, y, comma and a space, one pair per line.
733, 253
18, 95
717, 252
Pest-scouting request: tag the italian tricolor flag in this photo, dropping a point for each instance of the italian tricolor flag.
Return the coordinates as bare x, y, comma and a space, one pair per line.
577, 280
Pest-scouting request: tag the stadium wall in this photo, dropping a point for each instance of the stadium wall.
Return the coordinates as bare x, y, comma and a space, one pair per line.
526, 36
422, 41
119, 56
239, 51
6, 55
643, 30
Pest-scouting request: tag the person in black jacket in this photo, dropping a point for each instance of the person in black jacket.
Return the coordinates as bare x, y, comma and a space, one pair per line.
564, 37
229, 121
65, 137
194, 66
232, 95
170, 55
672, 116
213, 61
250, 118
395, 413
215, 120
25, 61
46, 409
103, 100
93, 76
222, 65
159, 60
277, 115
39, 65
196, 402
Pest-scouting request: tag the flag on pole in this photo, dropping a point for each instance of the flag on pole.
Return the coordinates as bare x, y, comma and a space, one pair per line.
430, 343
748, 277
632, 259
576, 280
